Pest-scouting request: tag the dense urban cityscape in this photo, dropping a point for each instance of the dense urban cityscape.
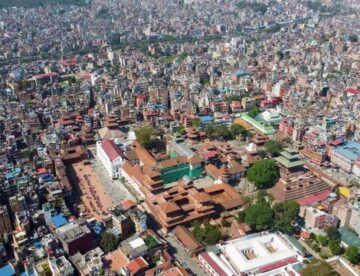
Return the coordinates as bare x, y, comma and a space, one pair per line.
179, 137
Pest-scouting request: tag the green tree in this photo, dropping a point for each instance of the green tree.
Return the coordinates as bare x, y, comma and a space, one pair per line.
236, 130
285, 214
335, 247
273, 147
262, 153
352, 254
254, 112
224, 132
181, 130
206, 233
196, 123
109, 242
241, 216
144, 136
318, 268
323, 240
263, 173
333, 233
259, 216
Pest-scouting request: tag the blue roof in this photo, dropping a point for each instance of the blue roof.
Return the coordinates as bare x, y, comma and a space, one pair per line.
241, 73
7, 270
27, 274
351, 150
204, 119
59, 220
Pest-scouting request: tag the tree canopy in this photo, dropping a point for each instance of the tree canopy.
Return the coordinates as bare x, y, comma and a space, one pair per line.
207, 234
263, 173
109, 242
273, 147
254, 112
352, 254
333, 233
259, 216
144, 136
318, 268
285, 213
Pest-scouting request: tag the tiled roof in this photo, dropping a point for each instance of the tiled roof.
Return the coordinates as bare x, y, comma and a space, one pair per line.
111, 149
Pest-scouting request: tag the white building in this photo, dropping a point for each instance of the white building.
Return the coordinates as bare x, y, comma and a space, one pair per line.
110, 156
257, 254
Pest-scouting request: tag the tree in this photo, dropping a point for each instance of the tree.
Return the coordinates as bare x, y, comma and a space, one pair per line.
196, 123
332, 233
318, 268
262, 153
335, 247
144, 136
241, 216
223, 131
273, 147
323, 240
285, 214
263, 173
259, 216
206, 233
236, 130
109, 242
181, 130
352, 254
254, 112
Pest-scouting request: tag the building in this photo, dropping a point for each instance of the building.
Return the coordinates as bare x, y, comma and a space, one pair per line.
295, 182
192, 245
316, 219
345, 155
5, 223
61, 266
75, 238
110, 156
89, 263
258, 125
256, 254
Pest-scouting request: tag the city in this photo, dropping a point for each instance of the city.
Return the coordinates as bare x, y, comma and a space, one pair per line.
179, 137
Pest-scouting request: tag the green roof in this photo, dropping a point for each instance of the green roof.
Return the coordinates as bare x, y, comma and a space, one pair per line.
348, 237
260, 126
289, 164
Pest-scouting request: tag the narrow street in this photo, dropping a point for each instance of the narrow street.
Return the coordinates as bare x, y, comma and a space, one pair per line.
182, 256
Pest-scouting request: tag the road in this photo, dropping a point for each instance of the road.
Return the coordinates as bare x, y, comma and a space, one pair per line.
182, 256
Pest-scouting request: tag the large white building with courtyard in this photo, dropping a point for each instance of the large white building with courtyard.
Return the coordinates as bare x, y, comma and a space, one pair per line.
257, 254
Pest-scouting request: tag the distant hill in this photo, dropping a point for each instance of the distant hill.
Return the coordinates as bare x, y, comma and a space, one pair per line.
39, 3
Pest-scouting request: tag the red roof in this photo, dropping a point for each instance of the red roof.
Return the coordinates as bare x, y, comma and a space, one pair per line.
352, 90
310, 199
128, 204
213, 264
277, 265
337, 142
136, 265
53, 74
41, 170
210, 154
111, 149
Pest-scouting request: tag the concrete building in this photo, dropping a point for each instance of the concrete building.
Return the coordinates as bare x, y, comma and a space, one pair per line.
5, 223
75, 238
317, 219
110, 156
257, 254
